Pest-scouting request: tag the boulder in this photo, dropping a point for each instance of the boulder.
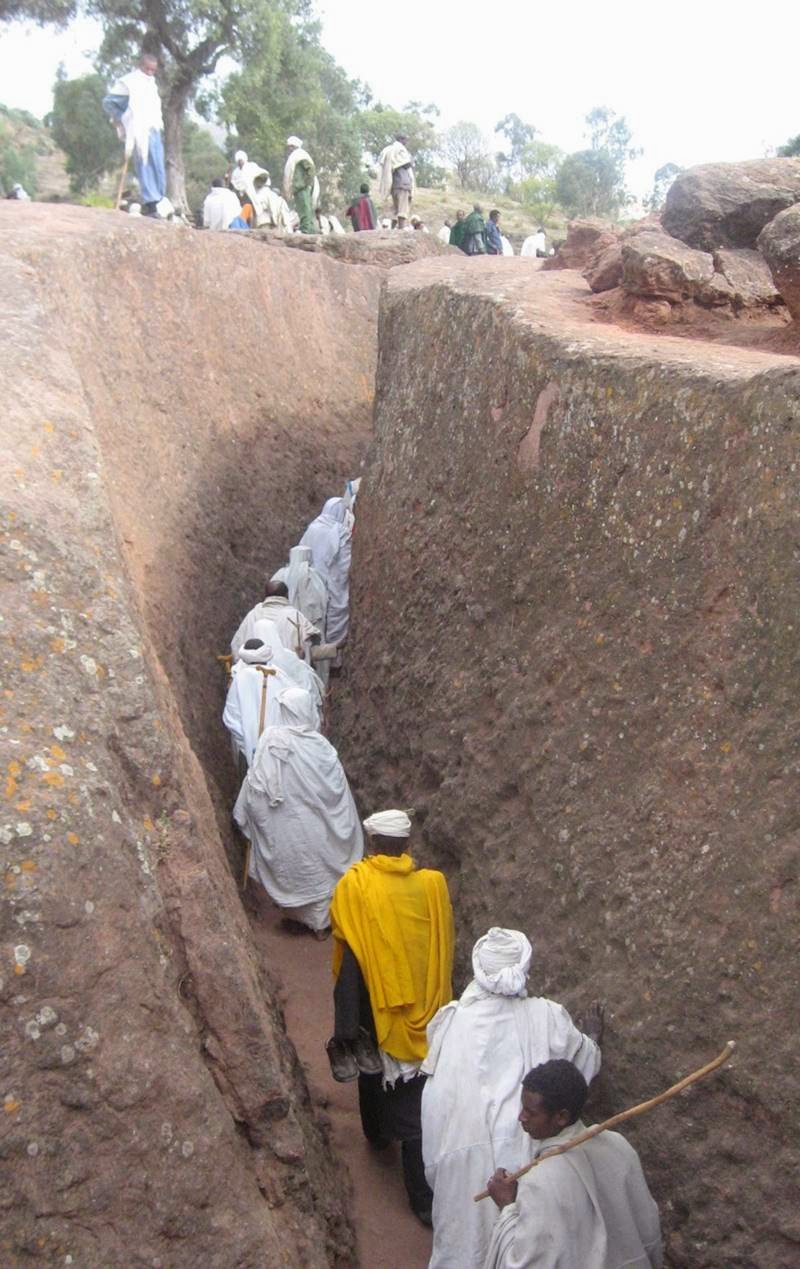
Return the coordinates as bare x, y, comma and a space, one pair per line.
382, 247
585, 239
728, 204
780, 245
604, 271
748, 277
655, 265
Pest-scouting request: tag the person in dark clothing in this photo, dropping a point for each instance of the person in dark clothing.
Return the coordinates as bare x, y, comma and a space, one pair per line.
473, 242
361, 212
494, 243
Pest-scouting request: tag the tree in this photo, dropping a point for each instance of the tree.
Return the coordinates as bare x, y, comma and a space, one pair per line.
661, 183
519, 137
791, 148
539, 163
379, 124
17, 163
82, 130
465, 149
587, 184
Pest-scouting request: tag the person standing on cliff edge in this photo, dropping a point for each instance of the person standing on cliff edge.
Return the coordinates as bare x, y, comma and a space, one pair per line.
397, 177
392, 960
300, 184
133, 104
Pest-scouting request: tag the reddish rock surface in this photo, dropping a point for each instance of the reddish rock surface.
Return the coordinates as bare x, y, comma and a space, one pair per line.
585, 240
574, 652
728, 204
780, 246
177, 405
386, 248
604, 271
654, 264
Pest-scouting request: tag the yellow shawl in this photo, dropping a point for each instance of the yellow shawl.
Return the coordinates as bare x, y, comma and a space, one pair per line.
398, 923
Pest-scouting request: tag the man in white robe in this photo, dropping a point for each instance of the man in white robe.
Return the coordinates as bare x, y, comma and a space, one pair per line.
397, 178
480, 1047
589, 1208
270, 210
221, 206
294, 630
248, 689
300, 184
535, 245
296, 808
328, 536
243, 172
133, 104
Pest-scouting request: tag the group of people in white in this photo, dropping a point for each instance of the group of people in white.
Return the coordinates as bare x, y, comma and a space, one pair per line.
294, 805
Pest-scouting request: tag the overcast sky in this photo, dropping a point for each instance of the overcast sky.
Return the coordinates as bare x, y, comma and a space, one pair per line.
698, 80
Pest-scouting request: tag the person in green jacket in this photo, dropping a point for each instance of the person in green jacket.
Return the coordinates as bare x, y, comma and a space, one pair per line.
457, 231
473, 239
300, 184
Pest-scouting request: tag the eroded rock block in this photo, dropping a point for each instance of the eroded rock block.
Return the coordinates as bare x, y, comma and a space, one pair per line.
728, 204
653, 264
780, 244
585, 239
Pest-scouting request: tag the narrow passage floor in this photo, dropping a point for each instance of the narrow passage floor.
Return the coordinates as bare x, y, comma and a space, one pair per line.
389, 1235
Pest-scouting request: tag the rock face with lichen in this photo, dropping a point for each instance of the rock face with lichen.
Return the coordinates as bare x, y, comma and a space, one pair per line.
574, 652
728, 204
164, 451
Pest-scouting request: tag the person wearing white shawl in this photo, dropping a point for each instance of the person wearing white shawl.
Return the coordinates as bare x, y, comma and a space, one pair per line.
479, 1048
300, 184
397, 177
243, 171
296, 808
242, 712
328, 536
294, 630
133, 104
271, 211
588, 1208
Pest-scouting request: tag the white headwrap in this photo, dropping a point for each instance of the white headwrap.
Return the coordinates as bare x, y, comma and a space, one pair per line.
501, 961
256, 656
240, 154
295, 141
388, 824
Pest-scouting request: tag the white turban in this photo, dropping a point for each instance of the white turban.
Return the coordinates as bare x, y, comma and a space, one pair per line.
240, 156
256, 656
295, 141
388, 824
501, 961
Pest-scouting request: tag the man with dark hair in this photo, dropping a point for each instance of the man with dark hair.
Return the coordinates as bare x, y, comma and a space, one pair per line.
221, 206
397, 177
457, 230
293, 629
393, 958
473, 239
588, 1208
134, 106
494, 242
361, 211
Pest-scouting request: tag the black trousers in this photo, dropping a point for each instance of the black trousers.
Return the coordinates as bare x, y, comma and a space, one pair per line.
387, 1114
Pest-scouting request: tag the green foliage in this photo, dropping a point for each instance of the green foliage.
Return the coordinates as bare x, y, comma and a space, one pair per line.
791, 148
587, 184
82, 130
379, 124
204, 160
539, 163
661, 183
45, 12
97, 200
17, 162
519, 136
465, 149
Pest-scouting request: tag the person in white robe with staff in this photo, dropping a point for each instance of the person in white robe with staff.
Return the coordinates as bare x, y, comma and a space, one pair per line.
252, 700
329, 536
294, 630
133, 104
296, 809
479, 1048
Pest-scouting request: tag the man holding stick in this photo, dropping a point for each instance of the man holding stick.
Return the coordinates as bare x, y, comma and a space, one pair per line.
588, 1208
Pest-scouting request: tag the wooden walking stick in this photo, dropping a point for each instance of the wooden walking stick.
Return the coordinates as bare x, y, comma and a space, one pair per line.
122, 182
265, 671
596, 1129
296, 625
227, 661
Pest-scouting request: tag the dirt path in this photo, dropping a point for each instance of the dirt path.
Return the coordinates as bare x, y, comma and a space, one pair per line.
388, 1235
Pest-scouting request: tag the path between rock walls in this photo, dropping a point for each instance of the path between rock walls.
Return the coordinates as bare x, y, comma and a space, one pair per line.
388, 1235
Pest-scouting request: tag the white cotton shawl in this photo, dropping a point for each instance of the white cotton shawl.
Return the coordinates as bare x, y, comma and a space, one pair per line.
296, 808
587, 1209
307, 590
298, 670
143, 113
330, 541
283, 616
479, 1049
242, 712
392, 156
296, 156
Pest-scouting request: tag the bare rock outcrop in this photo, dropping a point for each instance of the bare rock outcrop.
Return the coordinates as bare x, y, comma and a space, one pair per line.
585, 540
380, 247
163, 450
658, 266
728, 204
779, 244
585, 240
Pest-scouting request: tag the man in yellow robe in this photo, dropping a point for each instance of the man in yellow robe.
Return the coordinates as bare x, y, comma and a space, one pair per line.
392, 959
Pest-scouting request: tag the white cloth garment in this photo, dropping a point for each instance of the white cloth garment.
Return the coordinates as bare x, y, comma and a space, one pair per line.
242, 712
329, 539
284, 617
270, 209
298, 670
508, 250
388, 824
587, 1209
533, 244
296, 156
444, 234
242, 176
392, 157
296, 808
143, 112
220, 207
479, 1049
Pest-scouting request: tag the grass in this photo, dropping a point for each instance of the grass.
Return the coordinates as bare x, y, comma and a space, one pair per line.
516, 220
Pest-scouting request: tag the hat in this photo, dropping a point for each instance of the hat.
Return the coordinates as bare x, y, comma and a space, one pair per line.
295, 142
388, 824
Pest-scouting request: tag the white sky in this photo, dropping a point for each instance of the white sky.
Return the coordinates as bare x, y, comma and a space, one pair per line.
698, 81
